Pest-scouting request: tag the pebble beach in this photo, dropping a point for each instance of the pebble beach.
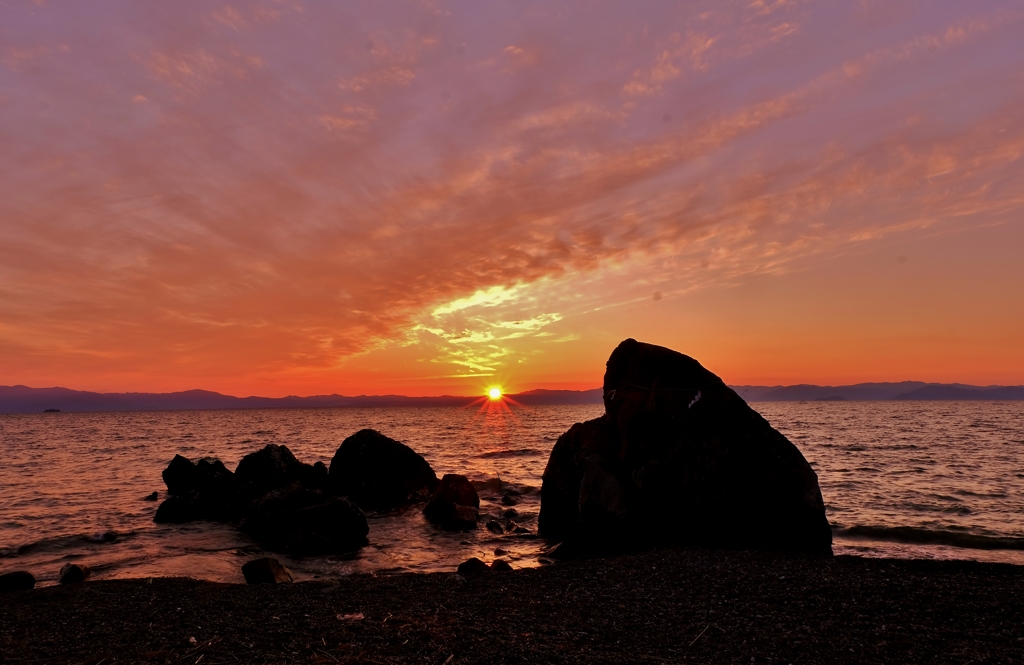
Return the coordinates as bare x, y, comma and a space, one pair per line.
663, 606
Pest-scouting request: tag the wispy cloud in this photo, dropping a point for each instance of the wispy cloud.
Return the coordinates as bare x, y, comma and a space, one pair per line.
274, 189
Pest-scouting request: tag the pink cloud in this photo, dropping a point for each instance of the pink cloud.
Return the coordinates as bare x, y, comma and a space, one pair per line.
301, 190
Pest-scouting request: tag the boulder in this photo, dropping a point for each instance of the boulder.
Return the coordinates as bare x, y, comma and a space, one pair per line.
72, 573
379, 473
678, 458
179, 509
501, 566
454, 506
266, 571
494, 527
18, 580
457, 489
181, 476
275, 467
304, 521
207, 488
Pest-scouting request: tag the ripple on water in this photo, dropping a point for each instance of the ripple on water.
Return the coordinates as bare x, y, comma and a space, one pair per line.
947, 468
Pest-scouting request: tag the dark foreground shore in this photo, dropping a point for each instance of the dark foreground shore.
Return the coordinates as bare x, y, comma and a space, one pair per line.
666, 606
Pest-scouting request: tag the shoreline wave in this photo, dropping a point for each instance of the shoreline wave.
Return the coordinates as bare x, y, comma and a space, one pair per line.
920, 536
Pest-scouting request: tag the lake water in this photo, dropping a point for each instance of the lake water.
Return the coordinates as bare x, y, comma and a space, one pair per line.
900, 479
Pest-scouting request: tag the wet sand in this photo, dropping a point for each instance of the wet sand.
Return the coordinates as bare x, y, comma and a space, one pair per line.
664, 606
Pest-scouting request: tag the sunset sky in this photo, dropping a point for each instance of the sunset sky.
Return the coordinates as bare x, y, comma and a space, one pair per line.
296, 197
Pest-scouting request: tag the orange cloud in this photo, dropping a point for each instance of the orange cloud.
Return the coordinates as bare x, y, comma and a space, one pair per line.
319, 196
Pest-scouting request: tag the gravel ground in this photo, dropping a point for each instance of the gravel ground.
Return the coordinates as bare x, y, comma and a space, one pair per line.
664, 606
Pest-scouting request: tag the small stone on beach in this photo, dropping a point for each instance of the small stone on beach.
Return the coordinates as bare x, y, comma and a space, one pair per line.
266, 571
472, 566
72, 573
18, 580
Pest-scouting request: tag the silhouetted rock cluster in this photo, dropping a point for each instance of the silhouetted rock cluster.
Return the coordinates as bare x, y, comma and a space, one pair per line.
291, 506
678, 457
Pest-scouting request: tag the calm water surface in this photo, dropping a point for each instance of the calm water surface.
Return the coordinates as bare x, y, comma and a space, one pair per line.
902, 479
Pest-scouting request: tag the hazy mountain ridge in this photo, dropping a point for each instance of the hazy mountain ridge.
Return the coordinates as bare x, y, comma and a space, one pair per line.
23, 399
861, 392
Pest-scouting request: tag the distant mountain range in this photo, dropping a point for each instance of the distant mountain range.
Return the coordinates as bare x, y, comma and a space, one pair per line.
22, 399
862, 392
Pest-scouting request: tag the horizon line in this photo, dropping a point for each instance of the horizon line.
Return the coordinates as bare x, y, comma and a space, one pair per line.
509, 394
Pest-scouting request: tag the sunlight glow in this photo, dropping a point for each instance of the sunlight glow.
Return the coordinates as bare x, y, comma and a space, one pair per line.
494, 393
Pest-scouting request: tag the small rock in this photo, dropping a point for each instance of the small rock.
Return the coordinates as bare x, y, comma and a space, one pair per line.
510, 513
494, 527
472, 566
266, 571
512, 527
452, 517
178, 509
454, 505
72, 573
151, 497
457, 489
19, 580
508, 499
501, 566
500, 552
464, 519
103, 537
272, 468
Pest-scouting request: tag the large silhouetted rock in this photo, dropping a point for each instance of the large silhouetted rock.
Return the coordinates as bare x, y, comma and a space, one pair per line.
379, 473
678, 457
274, 467
305, 521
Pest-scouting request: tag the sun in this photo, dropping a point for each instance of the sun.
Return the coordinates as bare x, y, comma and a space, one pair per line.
494, 393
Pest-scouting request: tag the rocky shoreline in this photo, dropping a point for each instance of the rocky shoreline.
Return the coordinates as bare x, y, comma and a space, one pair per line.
673, 605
